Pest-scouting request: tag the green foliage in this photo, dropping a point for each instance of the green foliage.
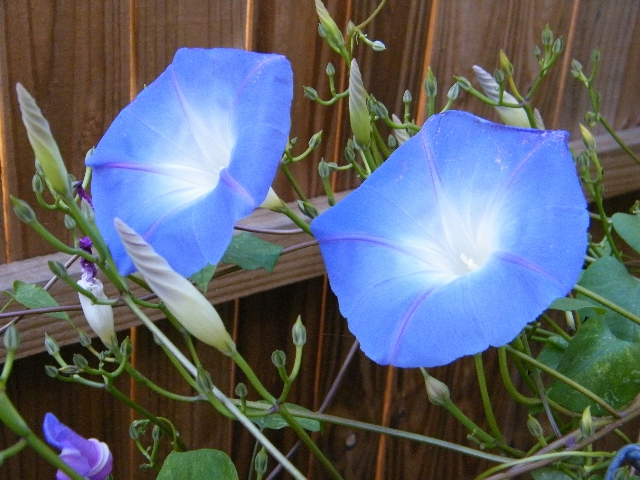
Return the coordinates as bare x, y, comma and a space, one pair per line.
276, 422
202, 464
250, 252
628, 227
601, 362
609, 278
565, 304
549, 474
203, 277
32, 296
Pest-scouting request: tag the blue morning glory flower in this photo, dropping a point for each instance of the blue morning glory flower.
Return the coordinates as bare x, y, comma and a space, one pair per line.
464, 235
196, 151
90, 458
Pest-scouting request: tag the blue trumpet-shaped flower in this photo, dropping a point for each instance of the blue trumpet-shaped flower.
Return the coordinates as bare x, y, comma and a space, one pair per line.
463, 236
90, 458
196, 151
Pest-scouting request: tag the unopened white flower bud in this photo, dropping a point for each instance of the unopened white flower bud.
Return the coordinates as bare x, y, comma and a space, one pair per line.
99, 317
183, 300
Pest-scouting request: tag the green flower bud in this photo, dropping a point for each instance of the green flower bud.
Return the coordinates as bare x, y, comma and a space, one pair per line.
437, 391
156, 433
464, 83
505, 64
587, 138
11, 338
576, 69
80, 362
51, 371
307, 209
378, 46
315, 139
299, 333
310, 92
50, 345
430, 84
595, 56
69, 222
558, 45
138, 428
37, 184
331, 70
332, 33
322, 31
69, 370
453, 92
261, 462
203, 380
498, 76
349, 153
407, 97
358, 112
536, 51
58, 269
87, 211
44, 146
133, 431
126, 347
241, 390
534, 427
85, 341
547, 36
586, 423
379, 110
278, 358
22, 210
323, 169
392, 142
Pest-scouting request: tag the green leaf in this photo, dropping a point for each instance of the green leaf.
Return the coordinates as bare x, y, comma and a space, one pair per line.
547, 473
601, 362
276, 422
250, 252
565, 304
609, 278
203, 464
33, 296
203, 277
628, 227
554, 348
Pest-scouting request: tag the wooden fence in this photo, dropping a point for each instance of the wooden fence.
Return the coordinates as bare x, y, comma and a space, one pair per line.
83, 60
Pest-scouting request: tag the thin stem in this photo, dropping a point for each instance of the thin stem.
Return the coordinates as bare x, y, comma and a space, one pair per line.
252, 377
292, 180
293, 423
486, 401
585, 391
607, 303
618, 140
372, 16
191, 368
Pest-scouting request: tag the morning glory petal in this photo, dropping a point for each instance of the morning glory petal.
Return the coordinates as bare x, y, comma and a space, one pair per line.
196, 151
464, 235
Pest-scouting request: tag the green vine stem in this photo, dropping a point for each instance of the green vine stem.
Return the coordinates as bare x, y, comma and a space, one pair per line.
585, 391
191, 368
486, 401
607, 303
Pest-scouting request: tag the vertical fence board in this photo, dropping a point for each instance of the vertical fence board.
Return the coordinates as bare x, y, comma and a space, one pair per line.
72, 57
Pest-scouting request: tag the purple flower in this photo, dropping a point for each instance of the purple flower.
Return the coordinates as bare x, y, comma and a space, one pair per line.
196, 151
464, 235
90, 458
